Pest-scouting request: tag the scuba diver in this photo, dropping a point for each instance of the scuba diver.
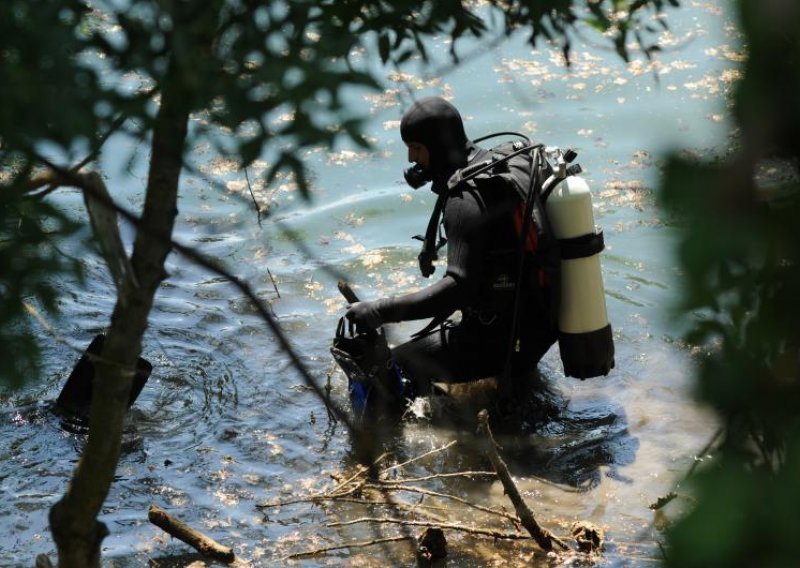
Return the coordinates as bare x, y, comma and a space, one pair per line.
482, 222
523, 271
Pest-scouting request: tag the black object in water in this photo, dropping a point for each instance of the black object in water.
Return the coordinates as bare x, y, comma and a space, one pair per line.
76, 396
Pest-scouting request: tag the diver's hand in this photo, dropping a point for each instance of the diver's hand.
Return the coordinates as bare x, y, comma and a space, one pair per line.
365, 315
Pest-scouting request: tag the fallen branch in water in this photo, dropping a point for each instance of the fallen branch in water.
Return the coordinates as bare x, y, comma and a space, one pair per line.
419, 457
341, 490
362, 487
449, 526
541, 535
669, 497
362, 544
438, 476
422, 491
399, 505
205, 545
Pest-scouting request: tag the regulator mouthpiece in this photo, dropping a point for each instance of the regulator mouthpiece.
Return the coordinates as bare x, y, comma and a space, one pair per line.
416, 176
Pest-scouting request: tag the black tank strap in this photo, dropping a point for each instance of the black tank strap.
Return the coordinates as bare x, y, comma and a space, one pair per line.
582, 246
430, 243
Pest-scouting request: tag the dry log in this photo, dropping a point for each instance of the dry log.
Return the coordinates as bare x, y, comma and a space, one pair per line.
542, 536
205, 545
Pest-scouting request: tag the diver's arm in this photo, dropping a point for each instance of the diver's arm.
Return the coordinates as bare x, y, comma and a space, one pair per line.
439, 299
465, 246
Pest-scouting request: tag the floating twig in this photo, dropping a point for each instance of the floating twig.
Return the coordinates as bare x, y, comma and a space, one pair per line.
253, 195
401, 505
334, 493
274, 284
412, 489
449, 526
438, 476
48, 328
669, 497
417, 458
361, 544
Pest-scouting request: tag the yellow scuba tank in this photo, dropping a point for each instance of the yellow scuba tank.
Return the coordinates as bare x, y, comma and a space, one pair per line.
585, 339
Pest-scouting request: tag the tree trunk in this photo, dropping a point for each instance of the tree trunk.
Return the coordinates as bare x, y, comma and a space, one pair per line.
73, 520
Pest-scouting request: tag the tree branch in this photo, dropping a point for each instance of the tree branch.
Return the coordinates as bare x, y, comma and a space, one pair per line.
541, 535
361, 544
449, 526
422, 491
205, 545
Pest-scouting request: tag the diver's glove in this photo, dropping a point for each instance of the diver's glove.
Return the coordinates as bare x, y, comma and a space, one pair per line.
365, 315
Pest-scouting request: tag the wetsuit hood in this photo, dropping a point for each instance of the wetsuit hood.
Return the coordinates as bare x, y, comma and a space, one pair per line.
437, 125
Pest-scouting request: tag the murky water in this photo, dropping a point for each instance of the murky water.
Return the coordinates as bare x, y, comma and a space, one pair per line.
225, 423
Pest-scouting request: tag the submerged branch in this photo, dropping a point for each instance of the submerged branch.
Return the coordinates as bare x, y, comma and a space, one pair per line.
417, 458
542, 536
362, 544
399, 505
422, 491
492, 533
438, 476
335, 493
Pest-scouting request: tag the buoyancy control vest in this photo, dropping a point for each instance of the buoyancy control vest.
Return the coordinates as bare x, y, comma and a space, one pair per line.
560, 241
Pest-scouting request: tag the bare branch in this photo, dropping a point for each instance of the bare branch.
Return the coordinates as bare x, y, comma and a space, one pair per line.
417, 458
422, 491
438, 476
204, 544
362, 544
449, 526
542, 536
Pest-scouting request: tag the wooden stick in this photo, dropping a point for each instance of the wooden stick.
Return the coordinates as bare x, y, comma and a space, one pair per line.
542, 536
418, 509
332, 494
412, 460
203, 544
437, 476
274, 284
413, 489
361, 544
454, 527
258, 207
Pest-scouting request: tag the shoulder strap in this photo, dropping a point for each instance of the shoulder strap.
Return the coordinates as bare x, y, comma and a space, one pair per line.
430, 243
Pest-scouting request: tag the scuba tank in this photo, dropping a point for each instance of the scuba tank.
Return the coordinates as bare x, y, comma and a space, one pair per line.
585, 339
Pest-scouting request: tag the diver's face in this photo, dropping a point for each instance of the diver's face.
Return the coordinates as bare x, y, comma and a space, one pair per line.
418, 154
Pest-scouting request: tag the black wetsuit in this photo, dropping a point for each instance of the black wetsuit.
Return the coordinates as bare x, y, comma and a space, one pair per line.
482, 257
482, 261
